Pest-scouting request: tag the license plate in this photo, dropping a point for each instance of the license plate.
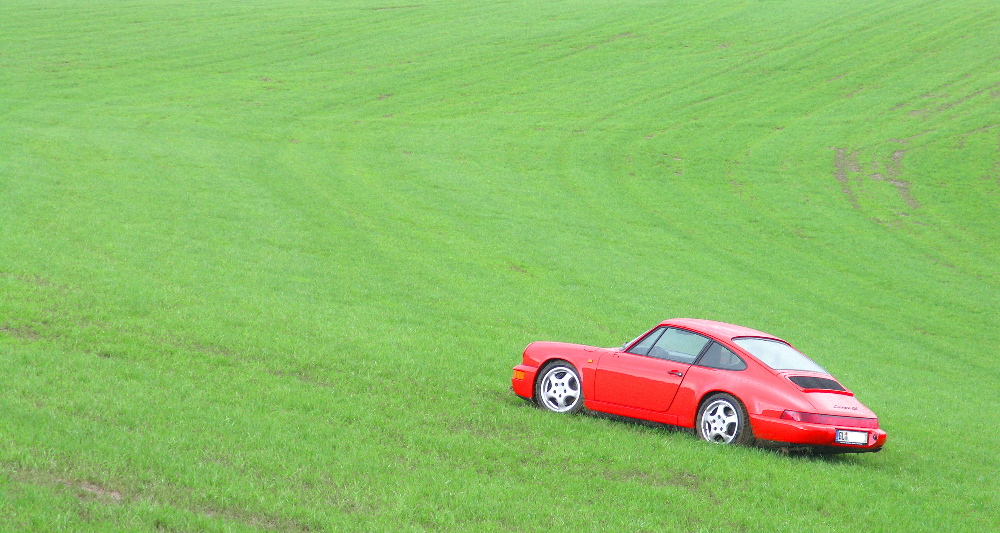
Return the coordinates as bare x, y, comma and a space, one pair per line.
852, 437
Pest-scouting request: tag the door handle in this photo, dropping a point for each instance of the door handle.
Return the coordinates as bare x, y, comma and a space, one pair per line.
676, 373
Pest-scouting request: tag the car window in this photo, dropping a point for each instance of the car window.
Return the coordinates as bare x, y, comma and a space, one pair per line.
718, 356
778, 355
645, 344
679, 345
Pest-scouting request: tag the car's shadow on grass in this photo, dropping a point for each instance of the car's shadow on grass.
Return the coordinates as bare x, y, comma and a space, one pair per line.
638, 422
794, 453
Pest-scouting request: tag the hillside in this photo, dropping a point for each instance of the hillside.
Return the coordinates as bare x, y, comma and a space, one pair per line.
267, 265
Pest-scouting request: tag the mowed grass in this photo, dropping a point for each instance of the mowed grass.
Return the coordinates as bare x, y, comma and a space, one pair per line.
267, 265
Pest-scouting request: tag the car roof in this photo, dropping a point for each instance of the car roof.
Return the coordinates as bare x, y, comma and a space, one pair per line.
719, 330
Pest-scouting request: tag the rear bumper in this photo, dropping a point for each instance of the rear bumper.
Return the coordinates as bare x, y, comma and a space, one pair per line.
523, 381
779, 430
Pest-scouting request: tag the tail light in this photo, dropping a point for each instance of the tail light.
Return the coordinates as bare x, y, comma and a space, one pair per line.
831, 420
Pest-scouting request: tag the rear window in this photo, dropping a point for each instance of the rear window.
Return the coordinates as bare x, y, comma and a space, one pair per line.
778, 355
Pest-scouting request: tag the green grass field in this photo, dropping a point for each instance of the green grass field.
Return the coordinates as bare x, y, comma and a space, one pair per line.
267, 265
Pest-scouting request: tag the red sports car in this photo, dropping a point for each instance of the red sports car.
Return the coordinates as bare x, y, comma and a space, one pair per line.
731, 384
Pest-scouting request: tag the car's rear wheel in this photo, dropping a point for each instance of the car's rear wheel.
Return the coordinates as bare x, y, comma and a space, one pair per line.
559, 389
722, 419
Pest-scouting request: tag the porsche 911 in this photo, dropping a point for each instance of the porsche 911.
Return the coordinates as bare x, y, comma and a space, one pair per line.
728, 383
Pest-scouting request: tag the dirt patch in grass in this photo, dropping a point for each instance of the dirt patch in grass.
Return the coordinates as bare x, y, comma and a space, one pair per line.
965, 98
99, 491
626, 35
84, 490
738, 187
23, 333
181, 343
846, 163
854, 93
965, 136
678, 478
303, 377
90, 491
843, 162
212, 349
30, 279
514, 267
893, 169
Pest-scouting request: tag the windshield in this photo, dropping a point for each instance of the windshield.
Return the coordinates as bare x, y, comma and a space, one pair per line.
778, 355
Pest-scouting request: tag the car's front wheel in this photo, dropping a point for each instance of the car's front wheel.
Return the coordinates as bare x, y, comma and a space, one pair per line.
559, 389
722, 419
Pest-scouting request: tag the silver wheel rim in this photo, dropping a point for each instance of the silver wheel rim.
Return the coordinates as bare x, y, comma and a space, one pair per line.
720, 423
560, 389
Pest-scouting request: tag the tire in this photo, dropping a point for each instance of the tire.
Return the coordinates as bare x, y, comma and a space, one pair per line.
559, 388
722, 419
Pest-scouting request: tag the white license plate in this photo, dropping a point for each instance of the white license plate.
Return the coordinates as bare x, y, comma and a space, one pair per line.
852, 437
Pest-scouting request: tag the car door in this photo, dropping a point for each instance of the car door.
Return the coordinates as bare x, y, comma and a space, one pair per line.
648, 374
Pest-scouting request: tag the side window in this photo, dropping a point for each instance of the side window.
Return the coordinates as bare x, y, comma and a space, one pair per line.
645, 344
679, 345
718, 356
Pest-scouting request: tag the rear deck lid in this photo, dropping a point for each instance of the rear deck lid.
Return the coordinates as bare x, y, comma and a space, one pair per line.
838, 404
